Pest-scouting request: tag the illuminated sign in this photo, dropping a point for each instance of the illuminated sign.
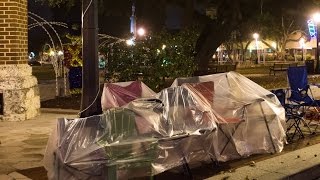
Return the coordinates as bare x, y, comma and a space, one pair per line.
312, 28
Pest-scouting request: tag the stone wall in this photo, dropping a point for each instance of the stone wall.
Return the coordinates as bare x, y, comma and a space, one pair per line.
18, 86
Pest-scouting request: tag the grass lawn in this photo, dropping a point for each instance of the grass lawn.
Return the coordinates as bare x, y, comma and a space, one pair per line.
260, 75
253, 70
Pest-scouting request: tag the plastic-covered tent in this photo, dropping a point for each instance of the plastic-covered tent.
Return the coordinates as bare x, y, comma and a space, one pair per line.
218, 117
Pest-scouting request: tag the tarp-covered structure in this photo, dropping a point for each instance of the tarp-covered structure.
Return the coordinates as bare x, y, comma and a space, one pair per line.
215, 117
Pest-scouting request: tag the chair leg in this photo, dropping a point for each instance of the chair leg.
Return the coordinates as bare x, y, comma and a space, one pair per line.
229, 138
267, 125
289, 138
112, 172
186, 168
299, 119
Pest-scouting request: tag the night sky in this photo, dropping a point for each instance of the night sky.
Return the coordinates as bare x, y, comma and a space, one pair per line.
114, 17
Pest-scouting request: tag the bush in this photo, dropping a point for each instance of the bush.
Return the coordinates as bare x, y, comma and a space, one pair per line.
153, 59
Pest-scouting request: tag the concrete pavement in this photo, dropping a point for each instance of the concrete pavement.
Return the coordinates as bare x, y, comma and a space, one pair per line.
299, 164
22, 144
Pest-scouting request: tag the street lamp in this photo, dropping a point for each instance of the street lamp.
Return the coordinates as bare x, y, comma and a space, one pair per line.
301, 42
316, 18
141, 32
130, 42
256, 36
60, 53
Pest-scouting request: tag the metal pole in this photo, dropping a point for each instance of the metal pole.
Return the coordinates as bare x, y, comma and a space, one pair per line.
258, 54
90, 104
302, 54
317, 51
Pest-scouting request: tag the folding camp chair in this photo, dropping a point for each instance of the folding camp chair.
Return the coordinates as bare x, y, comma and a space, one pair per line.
300, 91
205, 92
294, 117
236, 122
98, 146
130, 151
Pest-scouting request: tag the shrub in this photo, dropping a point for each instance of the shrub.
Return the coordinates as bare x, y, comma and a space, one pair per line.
153, 59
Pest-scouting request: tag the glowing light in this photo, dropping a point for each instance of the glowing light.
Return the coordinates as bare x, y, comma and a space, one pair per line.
163, 47
256, 36
274, 45
31, 55
130, 42
316, 17
51, 53
60, 53
141, 32
302, 42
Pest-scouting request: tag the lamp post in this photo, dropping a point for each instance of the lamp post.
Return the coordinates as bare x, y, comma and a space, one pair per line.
316, 18
256, 36
141, 32
301, 41
90, 71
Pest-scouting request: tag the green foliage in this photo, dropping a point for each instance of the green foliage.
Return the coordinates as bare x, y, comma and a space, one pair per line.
153, 59
59, 3
73, 52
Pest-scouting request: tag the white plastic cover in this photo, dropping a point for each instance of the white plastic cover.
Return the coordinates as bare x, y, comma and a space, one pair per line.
219, 117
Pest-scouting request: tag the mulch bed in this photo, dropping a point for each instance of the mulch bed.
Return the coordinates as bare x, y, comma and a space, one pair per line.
69, 102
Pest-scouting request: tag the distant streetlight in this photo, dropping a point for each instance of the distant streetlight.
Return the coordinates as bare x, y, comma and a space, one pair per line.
256, 36
274, 45
141, 32
130, 42
302, 44
60, 53
316, 18
51, 53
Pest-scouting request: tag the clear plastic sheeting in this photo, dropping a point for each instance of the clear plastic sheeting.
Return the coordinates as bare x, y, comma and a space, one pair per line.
250, 119
216, 117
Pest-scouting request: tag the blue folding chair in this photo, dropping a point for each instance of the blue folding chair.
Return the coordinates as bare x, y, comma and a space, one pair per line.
300, 90
294, 117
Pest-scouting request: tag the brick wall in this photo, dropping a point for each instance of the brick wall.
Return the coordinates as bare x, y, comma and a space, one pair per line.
13, 32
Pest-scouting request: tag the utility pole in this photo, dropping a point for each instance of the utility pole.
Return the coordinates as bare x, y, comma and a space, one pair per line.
90, 102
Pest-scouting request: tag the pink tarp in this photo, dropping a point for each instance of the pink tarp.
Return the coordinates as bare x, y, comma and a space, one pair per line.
119, 94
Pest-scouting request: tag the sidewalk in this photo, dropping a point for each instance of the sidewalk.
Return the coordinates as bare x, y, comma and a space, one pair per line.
299, 164
22, 144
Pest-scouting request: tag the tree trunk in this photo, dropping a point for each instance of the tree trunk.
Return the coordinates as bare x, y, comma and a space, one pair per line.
209, 40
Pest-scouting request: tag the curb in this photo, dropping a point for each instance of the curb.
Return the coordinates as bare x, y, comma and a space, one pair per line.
310, 173
13, 176
59, 111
